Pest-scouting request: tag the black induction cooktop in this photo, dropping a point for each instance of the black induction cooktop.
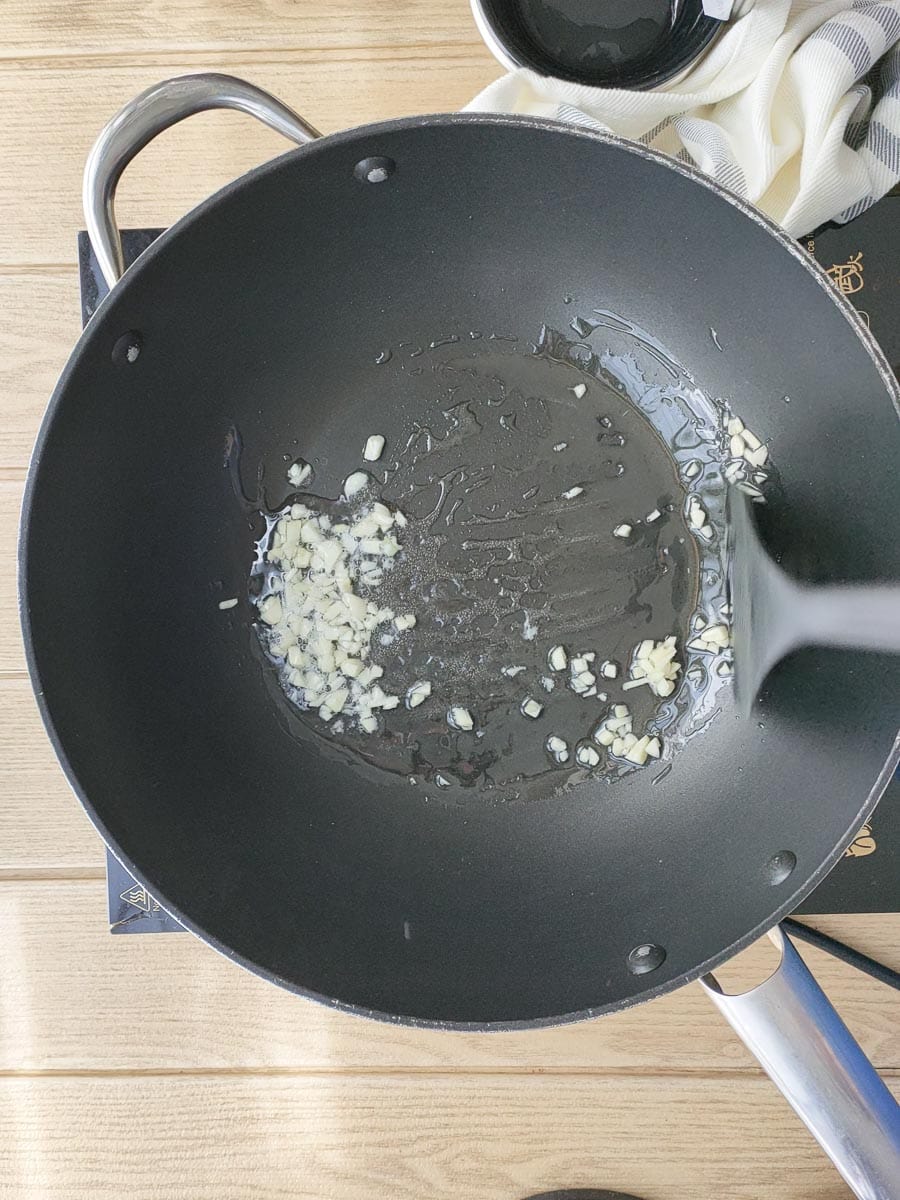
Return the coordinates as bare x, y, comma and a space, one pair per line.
863, 260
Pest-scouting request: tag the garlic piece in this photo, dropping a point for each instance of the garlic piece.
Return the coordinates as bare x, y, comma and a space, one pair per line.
653, 516
696, 513
558, 659
299, 472
531, 708
356, 483
374, 448
622, 531
407, 621
382, 516
460, 718
587, 756
557, 748
226, 604
271, 610
572, 493
609, 670
418, 693
579, 390
637, 752
715, 638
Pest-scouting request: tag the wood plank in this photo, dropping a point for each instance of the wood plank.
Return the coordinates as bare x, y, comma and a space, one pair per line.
44, 150
75, 996
403, 1138
12, 656
62, 27
42, 826
41, 322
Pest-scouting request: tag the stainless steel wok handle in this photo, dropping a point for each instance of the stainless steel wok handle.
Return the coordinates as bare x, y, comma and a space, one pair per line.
788, 1024
141, 120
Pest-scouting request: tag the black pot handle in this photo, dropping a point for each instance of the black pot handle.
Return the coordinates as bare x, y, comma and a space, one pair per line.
141, 120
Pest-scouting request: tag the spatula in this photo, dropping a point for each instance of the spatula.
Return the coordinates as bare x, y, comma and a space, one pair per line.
773, 615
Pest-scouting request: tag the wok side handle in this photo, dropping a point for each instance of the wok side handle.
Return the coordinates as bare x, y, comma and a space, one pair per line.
802, 1044
141, 120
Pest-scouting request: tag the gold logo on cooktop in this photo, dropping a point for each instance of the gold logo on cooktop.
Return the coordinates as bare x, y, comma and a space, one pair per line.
849, 275
862, 844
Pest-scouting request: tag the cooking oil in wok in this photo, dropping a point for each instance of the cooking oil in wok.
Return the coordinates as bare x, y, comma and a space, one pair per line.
521, 460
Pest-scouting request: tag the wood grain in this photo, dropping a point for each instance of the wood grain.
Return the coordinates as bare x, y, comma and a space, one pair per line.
199, 1011
68, 106
89, 27
43, 828
41, 322
401, 1138
12, 656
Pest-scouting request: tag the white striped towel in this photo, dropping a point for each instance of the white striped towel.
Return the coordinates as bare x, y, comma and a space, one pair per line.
796, 107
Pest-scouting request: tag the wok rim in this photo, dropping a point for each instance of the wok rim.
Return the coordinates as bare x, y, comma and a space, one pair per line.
132, 278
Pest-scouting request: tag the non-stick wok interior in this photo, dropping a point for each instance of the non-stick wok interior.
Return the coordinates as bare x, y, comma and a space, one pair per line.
265, 312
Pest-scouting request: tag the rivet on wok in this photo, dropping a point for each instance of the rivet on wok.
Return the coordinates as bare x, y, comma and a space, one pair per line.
779, 867
645, 958
374, 170
127, 348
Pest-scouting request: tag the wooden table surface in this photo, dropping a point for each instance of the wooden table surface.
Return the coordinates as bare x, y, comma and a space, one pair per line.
150, 1067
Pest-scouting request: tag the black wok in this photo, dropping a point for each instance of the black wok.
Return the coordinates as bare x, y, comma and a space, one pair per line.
264, 312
